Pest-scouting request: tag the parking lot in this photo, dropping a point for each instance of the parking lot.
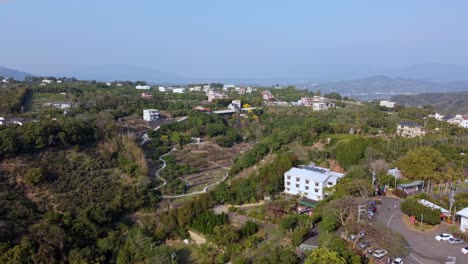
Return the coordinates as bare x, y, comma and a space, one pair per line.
424, 249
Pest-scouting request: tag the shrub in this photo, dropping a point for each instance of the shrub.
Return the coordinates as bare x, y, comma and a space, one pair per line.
34, 176
413, 207
249, 229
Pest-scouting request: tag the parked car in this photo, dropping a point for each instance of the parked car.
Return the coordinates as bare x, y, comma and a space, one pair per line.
397, 261
361, 234
364, 244
453, 241
379, 253
352, 237
464, 250
443, 237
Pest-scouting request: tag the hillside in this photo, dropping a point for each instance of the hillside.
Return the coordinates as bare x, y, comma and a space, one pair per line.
451, 103
384, 87
11, 73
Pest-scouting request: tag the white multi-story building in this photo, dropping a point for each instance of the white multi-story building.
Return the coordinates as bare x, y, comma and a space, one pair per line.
150, 114
410, 129
178, 90
142, 87
212, 95
464, 123
387, 104
310, 181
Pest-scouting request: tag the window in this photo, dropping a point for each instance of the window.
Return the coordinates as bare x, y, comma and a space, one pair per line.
307, 187
316, 184
330, 183
297, 185
307, 181
288, 183
298, 179
316, 190
287, 189
289, 177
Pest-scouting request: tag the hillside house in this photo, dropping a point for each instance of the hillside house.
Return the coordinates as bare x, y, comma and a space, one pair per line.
146, 95
410, 129
412, 187
310, 181
142, 87
212, 95
387, 104
178, 90
2, 121
463, 215
150, 114
267, 96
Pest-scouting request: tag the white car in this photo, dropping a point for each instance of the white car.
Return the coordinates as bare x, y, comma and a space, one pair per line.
379, 253
443, 237
464, 250
397, 261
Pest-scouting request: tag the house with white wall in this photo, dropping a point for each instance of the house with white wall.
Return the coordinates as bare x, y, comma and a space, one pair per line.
178, 90
463, 214
150, 114
142, 87
310, 181
387, 104
410, 129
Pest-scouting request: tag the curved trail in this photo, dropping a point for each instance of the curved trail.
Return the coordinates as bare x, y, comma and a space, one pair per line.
187, 194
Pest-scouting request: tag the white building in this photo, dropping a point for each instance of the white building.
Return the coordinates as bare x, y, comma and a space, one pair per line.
395, 172
212, 95
438, 117
143, 87
410, 129
150, 114
463, 214
47, 81
310, 181
387, 104
2, 121
178, 90
228, 86
235, 104
464, 123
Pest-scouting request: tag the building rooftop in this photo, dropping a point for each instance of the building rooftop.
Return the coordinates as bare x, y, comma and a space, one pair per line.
409, 123
411, 184
318, 174
463, 212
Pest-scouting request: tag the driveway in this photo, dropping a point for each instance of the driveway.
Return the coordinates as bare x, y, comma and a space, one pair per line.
424, 249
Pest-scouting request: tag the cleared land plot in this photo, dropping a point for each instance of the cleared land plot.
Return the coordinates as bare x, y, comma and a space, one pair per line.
39, 99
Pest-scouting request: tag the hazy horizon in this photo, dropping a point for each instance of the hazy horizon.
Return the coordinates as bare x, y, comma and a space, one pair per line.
303, 41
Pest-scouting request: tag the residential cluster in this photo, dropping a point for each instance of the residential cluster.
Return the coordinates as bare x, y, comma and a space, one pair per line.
459, 120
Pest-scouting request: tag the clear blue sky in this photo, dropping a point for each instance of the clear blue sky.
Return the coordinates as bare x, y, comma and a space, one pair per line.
241, 38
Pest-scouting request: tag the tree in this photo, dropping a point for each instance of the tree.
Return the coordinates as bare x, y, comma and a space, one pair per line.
34, 176
224, 235
324, 256
351, 151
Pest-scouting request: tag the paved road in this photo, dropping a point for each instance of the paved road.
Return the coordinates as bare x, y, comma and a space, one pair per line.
424, 248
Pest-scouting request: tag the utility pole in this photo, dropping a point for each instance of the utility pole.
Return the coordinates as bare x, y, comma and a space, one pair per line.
451, 200
422, 216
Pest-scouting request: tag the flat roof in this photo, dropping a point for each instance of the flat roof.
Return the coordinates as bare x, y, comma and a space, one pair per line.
411, 184
313, 173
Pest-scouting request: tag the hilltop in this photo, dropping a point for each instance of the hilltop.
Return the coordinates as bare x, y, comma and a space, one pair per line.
15, 74
384, 87
451, 103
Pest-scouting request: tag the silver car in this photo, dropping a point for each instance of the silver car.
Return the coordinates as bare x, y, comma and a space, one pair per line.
454, 241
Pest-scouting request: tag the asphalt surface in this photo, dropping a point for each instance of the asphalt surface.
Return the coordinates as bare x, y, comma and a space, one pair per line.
424, 249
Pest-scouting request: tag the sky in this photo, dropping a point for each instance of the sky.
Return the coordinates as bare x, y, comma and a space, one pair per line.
233, 39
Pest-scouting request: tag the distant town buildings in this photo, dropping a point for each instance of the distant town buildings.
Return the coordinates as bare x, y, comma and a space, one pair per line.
150, 114
178, 90
387, 104
267, 96
142, 87
228, 86
213, 94
310, 181
410, 129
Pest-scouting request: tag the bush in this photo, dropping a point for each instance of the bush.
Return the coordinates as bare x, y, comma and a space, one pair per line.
249, 229
413, 207
34, 176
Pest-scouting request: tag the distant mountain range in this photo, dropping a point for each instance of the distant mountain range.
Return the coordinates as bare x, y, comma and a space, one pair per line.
447, 103
384, 87
11, 73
